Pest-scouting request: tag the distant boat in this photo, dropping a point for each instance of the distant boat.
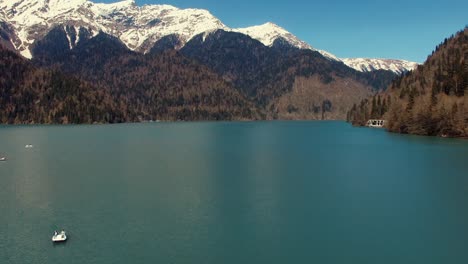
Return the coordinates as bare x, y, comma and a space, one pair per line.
59, 237
2, 158
28, 146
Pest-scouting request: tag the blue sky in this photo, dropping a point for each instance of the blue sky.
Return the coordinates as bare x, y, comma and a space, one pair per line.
376, 29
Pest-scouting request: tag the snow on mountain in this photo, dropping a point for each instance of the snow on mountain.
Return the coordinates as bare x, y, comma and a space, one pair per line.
140, 27
269, 32
367, 65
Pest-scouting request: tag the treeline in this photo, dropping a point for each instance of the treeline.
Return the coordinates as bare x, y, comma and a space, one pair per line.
431, 100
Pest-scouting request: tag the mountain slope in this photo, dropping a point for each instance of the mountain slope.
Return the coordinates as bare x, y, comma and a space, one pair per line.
158, 61
164, 86
269, 32
431, 100
32, 95
247, 74
139, 28
267, 74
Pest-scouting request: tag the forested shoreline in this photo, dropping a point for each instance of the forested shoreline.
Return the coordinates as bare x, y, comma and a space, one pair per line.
431, 100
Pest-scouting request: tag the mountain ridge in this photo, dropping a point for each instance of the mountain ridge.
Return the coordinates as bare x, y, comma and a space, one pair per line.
369, 64
139, 27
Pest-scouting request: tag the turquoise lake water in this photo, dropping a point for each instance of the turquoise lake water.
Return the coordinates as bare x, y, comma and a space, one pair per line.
253, 192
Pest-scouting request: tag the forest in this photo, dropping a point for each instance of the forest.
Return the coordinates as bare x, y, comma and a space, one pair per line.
130, 88
431, 100
227, 76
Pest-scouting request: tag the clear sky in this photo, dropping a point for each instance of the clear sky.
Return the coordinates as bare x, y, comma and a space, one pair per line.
400, 29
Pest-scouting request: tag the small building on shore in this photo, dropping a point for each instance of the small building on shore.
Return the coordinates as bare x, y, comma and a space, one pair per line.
375, 123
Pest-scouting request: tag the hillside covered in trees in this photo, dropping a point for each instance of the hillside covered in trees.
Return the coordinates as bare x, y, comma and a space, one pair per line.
289, 83
226, 73
225, 76
431, 100
32, 95
120, 89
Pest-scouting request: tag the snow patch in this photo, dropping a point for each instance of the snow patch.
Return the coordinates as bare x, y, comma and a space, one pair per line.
68, 38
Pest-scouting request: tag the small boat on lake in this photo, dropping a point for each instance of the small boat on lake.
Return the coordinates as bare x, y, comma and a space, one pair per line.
29, 146
59, 237
2, 158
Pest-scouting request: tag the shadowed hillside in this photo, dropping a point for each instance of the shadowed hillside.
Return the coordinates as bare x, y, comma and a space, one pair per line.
32, 95
164, 86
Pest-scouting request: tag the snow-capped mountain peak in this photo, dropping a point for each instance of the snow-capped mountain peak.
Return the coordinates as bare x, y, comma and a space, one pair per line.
138, 27
367, 65
269, 32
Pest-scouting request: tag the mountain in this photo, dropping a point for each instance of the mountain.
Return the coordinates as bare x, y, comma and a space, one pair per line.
290, 83
141, 28
431, 100
249, 79
101, 80
161, 62
165, 86
138, 27
368, 65
269, 32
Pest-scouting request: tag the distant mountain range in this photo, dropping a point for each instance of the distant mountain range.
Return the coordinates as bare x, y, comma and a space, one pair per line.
368, 65
161, 62
140, 27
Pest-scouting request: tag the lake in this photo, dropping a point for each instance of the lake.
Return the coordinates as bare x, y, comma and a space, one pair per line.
247, 192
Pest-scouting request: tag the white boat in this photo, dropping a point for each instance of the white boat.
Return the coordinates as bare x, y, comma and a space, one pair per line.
2, 158
28, 146
59, 237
